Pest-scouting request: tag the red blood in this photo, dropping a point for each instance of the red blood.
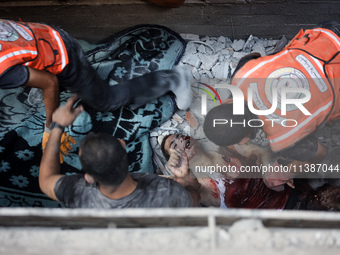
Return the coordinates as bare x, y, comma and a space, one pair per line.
214, 189
253, 193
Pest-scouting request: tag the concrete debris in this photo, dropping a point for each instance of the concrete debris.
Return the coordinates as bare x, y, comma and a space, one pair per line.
195, 73
221, 70
208, 61
238, 45
160, 139
190, 37
222, 39
191, 119
166, 124
204, 39
152, 134
201, 48
191, 60
208, 73
186, 130
239, 55
227, 51
212, 60
190, 49
177, 118
233, 66
249, 43
258, 47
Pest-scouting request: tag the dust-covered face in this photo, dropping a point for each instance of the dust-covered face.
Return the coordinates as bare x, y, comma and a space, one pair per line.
182, 143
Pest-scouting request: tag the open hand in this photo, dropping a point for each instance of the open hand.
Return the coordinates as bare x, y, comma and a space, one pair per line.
66, 114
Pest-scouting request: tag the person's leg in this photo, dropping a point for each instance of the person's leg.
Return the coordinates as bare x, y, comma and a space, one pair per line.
79, 77
155, 84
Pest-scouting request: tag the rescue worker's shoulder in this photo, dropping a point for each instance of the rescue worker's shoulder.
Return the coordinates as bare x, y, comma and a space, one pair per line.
244, 60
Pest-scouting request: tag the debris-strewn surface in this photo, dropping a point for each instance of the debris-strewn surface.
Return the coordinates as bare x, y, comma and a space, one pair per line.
212, 61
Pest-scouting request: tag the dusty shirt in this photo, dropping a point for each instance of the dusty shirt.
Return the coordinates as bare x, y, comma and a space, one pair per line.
151, 191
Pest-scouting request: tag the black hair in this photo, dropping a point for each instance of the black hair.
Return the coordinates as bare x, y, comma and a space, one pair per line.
331, 25
164, 151
224, 134
104, 158
244, 60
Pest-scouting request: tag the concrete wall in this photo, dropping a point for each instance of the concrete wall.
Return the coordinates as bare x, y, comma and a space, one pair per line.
95, 20
167, 231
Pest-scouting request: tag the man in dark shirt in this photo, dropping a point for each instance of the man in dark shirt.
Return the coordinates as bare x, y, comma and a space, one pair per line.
106, 182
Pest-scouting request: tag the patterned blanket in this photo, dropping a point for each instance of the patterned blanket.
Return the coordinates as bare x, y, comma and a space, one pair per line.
126, 55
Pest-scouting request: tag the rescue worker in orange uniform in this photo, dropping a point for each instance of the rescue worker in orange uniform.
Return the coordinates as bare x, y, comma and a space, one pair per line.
310, 61
40, 56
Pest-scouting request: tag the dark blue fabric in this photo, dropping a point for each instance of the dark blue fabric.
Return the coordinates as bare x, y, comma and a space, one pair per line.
14, 77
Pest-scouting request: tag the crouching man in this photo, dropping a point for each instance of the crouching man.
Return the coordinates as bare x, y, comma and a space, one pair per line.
106, 182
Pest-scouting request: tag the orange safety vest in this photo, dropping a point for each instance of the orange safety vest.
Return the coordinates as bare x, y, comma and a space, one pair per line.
31, 44
310, 61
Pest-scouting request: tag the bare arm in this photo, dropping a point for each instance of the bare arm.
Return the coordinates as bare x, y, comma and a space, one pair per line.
50, 87
320, 154
276, 181
317, 159
248, 149
50, 166
192, 186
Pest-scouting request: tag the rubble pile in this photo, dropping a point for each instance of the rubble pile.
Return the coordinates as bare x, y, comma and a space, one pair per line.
212, 61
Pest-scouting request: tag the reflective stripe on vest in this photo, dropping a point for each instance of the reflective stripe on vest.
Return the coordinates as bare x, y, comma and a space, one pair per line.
31, 44
299, 65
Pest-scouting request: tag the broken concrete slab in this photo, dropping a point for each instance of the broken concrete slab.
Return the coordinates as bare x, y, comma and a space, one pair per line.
208, 61
192, 60
221, 70
191, 120
190, 37
237, 45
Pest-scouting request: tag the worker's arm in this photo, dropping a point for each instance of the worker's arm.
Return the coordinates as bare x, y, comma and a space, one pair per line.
192, 186
316, 159
276, 181
50, 87
50, 166
48, 83
320, 154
